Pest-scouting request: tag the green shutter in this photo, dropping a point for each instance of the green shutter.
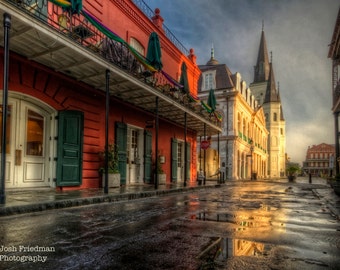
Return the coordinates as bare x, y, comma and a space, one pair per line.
147, 156
121, 142
70, 148
188, 161
174, 159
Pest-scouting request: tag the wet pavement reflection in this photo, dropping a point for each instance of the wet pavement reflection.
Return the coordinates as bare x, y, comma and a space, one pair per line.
240, 225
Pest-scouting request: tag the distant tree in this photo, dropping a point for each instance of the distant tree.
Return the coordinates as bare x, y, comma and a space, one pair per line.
292, 170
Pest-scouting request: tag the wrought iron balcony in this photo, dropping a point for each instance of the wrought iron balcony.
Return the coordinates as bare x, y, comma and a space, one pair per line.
71, 44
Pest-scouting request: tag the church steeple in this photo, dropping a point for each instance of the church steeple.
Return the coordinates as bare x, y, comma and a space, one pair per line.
271, 93
261, 70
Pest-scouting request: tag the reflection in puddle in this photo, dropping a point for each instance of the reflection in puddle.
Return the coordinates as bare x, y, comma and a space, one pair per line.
223, 248
243, 220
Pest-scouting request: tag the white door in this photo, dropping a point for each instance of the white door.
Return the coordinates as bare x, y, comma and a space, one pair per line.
180, 161
134, 145
28, 134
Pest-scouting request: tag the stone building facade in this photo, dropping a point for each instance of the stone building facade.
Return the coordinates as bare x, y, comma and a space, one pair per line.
240, 151
267, 94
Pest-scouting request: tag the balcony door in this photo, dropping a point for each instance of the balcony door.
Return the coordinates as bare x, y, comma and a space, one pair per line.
28, 148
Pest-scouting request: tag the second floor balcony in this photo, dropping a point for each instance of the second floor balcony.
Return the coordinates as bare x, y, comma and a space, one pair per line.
72, 44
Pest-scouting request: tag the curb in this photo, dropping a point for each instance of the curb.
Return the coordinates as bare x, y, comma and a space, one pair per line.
67, 203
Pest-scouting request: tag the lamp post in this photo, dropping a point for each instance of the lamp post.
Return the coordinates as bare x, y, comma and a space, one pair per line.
251, 160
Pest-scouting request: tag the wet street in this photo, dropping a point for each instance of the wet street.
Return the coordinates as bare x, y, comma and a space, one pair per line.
240, 225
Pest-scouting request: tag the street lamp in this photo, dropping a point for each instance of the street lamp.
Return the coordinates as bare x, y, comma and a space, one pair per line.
251, 160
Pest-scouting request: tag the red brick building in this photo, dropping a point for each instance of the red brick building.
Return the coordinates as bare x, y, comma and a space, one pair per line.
66, 63
320, 160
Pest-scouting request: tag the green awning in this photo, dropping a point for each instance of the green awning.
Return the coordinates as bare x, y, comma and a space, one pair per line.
212, 100
154, 54
183, 80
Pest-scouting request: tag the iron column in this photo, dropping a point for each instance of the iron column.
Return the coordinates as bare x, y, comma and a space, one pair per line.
107, 113
7, 26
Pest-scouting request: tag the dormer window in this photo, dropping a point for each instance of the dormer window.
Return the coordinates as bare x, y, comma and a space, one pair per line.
209, 80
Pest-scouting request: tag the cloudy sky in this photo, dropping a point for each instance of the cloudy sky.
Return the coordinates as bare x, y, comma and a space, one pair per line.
298, 33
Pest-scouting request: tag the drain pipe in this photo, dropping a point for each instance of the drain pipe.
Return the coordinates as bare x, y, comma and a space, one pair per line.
7, 26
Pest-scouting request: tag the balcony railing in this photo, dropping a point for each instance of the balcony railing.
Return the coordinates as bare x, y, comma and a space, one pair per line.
80, 30
150, 13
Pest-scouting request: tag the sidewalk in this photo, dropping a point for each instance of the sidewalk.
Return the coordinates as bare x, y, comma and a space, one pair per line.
20, 201
33, 200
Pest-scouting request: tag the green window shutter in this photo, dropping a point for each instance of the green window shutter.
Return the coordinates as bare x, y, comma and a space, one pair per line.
173, 159
121, 142
70, 148
188, 161
147, 156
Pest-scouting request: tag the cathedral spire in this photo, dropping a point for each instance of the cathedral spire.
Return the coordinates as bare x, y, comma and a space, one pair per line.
261, 70
271, 93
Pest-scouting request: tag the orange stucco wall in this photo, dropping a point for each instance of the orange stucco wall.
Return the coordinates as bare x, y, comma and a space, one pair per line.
63, 93
127, 21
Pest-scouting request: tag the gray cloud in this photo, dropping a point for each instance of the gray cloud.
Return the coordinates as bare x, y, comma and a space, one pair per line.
297, 31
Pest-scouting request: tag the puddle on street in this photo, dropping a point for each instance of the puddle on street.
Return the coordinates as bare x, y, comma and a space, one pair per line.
221, 249
244, 220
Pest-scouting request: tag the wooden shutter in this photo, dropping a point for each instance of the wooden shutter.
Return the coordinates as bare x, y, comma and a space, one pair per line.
121, 142
70, 148
174, 157
188, 161
147, 156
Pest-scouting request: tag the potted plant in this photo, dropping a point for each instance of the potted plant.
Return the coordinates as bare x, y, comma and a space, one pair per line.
292, 170
113, 168
161, 174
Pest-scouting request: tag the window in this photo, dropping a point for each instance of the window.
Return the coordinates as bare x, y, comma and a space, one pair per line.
208, 84
34, 134
134, 143
179, 155
209, 80
134, 43
275, 117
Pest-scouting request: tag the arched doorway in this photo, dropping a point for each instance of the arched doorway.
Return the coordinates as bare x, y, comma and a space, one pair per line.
30, 143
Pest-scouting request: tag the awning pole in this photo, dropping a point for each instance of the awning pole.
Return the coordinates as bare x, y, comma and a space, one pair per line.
204, 153
7, 26
185, 150
107, 113
156, 142
219, 160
